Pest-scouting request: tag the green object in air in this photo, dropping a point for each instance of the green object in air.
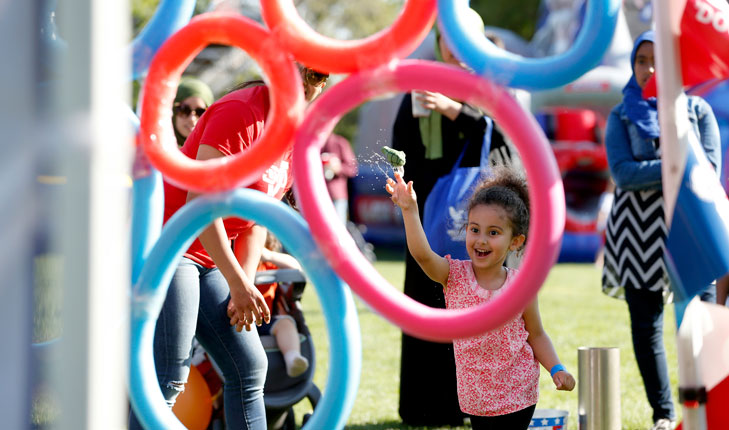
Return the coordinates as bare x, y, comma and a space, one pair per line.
394, 157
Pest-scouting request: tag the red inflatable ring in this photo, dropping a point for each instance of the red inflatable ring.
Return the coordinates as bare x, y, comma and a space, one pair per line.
348, 56
546, 202
287, 104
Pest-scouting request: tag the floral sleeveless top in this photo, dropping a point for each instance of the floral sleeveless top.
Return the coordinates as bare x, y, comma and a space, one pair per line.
496, 372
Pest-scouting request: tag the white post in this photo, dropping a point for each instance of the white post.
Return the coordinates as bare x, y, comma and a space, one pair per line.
672, 113
673, 118
96, 159
18, 49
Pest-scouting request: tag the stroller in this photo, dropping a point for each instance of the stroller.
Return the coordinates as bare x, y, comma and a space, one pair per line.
280, 392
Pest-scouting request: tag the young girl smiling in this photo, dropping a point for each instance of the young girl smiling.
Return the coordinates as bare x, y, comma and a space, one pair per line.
497, 372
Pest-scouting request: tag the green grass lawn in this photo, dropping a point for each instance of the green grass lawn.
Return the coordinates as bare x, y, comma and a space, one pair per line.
574, 312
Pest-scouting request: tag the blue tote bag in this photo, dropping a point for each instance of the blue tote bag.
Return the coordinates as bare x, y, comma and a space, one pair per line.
446, 208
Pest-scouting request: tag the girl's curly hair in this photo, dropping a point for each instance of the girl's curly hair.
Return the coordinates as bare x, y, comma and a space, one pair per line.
508, 190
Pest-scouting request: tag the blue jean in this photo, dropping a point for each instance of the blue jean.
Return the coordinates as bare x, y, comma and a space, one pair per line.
646, 323
196, 306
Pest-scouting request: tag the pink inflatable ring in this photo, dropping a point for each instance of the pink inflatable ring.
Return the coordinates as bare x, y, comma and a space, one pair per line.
348, 56
546, 192
287, 103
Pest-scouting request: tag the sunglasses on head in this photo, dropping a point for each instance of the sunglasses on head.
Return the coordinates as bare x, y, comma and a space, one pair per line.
314, 78
185, 110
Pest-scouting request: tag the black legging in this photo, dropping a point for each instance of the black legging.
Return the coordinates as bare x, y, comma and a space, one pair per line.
518, 420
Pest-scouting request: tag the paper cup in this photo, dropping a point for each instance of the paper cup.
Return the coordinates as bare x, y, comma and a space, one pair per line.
418, 109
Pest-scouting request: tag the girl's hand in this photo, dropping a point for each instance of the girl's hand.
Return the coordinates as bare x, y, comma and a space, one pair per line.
564, 380
247, 307
402, 194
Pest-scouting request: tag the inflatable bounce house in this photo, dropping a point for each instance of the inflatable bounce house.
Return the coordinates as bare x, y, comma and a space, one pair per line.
576, 137
573, 118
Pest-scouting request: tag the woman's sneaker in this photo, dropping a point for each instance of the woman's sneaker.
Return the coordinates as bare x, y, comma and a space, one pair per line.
664, 424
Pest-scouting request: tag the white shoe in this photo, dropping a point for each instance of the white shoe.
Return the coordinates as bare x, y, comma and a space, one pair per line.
664, 424
297, 366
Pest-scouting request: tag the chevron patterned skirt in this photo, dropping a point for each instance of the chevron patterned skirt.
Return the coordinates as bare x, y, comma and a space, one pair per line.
634, 244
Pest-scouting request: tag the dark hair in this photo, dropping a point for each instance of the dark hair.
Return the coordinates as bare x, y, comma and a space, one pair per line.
246, 84
272, 242
308, 75
311, 76
495, 39
290, 199
508, 190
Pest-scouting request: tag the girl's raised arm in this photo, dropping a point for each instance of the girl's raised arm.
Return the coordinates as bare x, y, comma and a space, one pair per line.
403, 195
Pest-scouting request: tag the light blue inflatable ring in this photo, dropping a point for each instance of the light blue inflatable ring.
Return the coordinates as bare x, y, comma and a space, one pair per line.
147, 215
336, 300
147, 204
170, 16
513, 70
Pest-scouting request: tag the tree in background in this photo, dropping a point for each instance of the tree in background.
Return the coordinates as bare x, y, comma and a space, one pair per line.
354, 20
333, 18
519, 16
142, 11
347, 20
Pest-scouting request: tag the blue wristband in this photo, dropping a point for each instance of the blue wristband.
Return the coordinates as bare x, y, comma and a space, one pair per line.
557, 368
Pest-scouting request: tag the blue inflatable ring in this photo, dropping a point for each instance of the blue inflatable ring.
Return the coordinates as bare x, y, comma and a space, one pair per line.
147, 204
149, 294
513, 70
147, 216
170, 16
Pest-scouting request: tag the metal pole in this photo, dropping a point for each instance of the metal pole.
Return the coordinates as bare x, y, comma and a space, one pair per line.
95, 144
598, 388
18, 48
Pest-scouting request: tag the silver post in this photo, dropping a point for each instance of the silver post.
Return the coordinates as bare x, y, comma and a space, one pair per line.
598, 388
95, 144
18, 119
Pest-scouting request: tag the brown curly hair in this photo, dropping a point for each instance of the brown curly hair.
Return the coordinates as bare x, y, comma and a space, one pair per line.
508, 190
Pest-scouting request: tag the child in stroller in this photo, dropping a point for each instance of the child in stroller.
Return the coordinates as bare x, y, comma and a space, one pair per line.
282, 325
282, 391
286, 340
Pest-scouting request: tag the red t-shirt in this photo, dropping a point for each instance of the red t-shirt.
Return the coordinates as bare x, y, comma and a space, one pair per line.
231, 125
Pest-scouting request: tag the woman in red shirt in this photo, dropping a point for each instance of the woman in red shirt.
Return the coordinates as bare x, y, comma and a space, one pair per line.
212, 295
